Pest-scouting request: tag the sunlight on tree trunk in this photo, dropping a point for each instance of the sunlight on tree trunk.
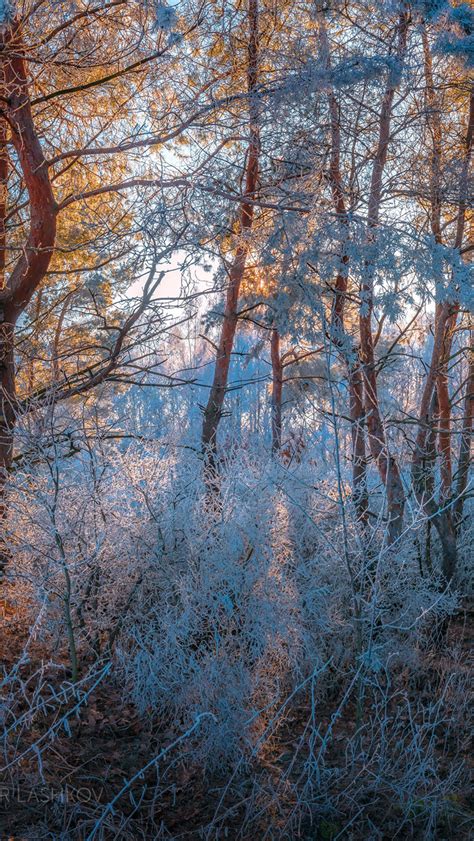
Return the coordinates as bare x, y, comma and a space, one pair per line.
213, 410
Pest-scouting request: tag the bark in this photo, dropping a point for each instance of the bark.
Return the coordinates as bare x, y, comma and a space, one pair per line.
213, 409
444, 400
422, 467
442, 383
449, 322
359, 456
385, 462
337, 332
424, 486
277, 387
33, 263
445, 311
447, 535
437, 380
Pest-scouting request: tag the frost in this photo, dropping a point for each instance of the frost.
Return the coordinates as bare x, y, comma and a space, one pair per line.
165, 16
7, 11
462, 47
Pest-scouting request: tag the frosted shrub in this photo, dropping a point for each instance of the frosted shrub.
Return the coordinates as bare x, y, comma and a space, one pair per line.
230, 609
225, 633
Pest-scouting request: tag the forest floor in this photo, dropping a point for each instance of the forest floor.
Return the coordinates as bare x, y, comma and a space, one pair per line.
61, 787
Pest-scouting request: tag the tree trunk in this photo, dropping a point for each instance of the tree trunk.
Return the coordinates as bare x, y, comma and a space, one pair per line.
32, 265
359, 456
447, 535
443, 377
424, 448
337, 332
277, 387
444, 401
445, 522
385, 462
464, 459
213, 410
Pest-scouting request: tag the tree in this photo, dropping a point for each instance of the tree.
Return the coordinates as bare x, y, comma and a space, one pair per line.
435, 400
45, 190
213, 409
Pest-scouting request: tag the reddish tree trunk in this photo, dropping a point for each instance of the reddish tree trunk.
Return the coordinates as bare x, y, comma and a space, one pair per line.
337, 333
359, 456
445, 322
213, 410
33, 263
444, 403
446, 316
442, 383
386, 462
423, 484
